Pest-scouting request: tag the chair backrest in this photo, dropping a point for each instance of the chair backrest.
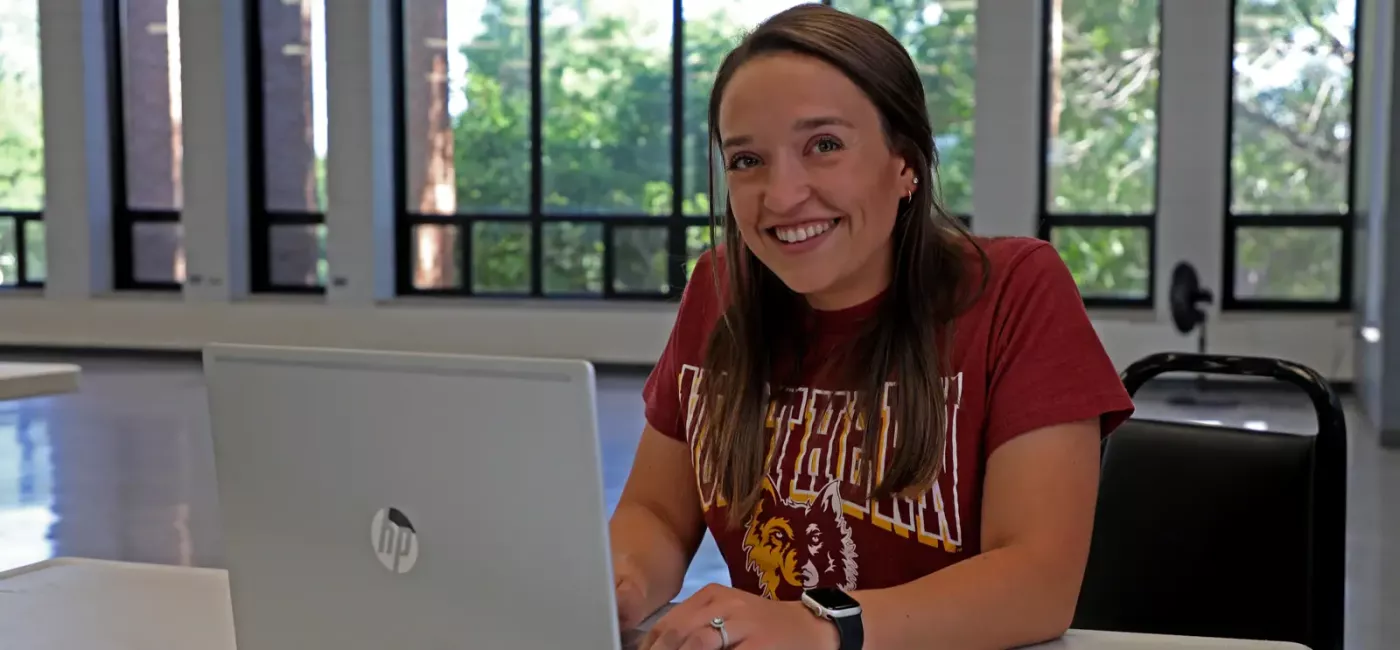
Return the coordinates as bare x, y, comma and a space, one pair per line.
1214, 531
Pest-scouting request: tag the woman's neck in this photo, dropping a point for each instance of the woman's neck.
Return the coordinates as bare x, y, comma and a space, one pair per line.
858, 288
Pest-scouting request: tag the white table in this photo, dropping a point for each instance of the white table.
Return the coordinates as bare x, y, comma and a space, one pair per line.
19, 380
64, 604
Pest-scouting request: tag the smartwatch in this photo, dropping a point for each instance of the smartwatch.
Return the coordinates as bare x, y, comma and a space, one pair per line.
835, 605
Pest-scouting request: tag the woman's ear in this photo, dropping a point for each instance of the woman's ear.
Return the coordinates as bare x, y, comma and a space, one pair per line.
905, 171
908, 180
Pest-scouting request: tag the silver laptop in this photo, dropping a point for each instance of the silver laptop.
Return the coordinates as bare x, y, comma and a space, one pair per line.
377, 500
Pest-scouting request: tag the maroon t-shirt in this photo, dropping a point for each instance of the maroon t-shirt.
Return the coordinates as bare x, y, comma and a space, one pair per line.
1024, 356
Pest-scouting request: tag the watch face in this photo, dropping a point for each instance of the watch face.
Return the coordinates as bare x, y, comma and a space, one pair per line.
832, 598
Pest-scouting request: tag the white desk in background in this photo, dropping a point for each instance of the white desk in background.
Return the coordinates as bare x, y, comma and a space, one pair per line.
63, 604
20, 380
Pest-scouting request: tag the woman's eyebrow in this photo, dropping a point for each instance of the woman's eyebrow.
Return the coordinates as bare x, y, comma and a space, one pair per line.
803, 124
809, 123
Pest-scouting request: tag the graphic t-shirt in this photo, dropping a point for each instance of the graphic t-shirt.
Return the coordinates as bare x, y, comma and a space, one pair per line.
1023, 356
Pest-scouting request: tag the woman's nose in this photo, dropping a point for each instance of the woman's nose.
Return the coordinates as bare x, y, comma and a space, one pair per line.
788, 186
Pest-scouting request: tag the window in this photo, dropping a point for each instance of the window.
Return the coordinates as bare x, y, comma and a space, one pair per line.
287, 137
468, 141
1099, 177
559, 154
941, 38
149, 193
22, 253
1287, 232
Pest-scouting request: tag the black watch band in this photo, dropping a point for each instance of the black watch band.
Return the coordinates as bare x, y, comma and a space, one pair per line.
851, 630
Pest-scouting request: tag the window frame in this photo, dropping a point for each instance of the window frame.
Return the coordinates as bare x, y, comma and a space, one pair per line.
124, 217
21, 219
676, 222
261, 220
1343, 222
1047, 221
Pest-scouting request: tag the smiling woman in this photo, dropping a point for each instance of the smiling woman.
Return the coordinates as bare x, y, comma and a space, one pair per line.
888, 419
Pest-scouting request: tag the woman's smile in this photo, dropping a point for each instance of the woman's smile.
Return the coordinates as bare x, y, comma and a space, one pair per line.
803, 237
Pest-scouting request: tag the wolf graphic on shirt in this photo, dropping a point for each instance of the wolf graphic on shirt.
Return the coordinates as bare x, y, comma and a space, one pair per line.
815, 512
793, 546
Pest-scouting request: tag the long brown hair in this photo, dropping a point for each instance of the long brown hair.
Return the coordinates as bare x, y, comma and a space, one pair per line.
905, 340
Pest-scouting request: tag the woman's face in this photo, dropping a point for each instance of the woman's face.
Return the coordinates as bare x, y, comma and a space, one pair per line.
812, 180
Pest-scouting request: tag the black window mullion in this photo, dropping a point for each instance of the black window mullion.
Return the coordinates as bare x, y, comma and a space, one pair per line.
21, 251
259, 226
675, 234
1229, 264
260, 256
1277, 220
123, 264
609, 260
1348, 221
1089, 220
123, 270
278, 218
466, 234
536, 148
1347, 296
1045, 223
403, 224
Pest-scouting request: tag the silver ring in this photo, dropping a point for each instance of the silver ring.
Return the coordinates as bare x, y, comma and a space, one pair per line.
718, 624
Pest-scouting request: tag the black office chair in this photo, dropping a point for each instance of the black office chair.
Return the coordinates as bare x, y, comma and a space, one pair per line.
1222, 532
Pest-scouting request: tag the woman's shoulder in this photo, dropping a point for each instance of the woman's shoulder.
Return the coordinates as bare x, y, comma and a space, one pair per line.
1010, 271
1006, 254
701, 299
707, 278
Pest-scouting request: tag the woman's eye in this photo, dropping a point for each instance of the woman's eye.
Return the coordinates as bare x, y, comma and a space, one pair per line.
827, 145
742, 161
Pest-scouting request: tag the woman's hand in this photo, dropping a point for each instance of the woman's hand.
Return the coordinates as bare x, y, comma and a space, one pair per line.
751, 622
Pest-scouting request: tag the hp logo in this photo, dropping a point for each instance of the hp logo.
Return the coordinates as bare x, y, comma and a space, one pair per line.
395, 540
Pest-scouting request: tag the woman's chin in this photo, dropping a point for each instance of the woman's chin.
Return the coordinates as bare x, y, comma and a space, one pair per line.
810, 285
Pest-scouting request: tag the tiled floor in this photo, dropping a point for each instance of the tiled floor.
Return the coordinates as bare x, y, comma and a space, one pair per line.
122, 470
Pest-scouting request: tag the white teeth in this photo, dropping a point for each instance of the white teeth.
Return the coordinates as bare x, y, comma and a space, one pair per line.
794, 235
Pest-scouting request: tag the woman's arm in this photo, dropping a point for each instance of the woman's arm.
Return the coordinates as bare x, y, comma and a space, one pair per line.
656, 528
1037, 519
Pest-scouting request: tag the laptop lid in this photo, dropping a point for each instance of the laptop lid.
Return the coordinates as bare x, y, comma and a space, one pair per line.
378, 500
